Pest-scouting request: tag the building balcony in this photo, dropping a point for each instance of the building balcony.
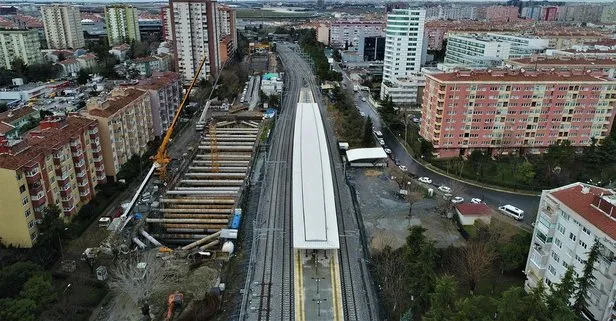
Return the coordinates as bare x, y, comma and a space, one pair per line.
75, 143
93, 131
33, 177
68, 198
77, 153
69, 210
100, 169
80, 175
96, 148
38, 194
98, 159
36, 188
85, 194
101, 179
38, 202
81, 163
539, 256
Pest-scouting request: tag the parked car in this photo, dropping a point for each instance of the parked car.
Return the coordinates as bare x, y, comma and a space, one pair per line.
397, 162
444, 189
387, 150
457, 200
426, 180
476, 201
512, 211
403, 168
362, 114
381, 142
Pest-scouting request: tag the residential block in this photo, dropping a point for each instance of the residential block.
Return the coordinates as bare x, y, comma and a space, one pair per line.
19, 43
62, 24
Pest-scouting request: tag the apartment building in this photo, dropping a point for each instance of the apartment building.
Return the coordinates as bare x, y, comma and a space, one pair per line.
569, 221
453, 12
165, 89
580, 13
19, 43
344, 34
498, 13
564, 63
506, 111
122, 22
564, 39
60, 162
195, 35
62, 24
227, 33
165, 19
405, 51
125, 122
608, 14
490, 49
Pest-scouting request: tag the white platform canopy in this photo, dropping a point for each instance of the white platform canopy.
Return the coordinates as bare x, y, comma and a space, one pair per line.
365, 153
314, 207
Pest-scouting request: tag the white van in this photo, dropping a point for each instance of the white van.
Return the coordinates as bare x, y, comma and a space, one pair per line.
512, 211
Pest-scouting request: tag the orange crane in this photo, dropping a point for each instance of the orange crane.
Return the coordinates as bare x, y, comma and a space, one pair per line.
174, 301
162, 159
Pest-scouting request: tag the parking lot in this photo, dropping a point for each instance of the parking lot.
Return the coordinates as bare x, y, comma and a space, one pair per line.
386, 213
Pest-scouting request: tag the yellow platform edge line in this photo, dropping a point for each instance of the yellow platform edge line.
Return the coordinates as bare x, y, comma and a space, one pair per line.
299, 287
337, 286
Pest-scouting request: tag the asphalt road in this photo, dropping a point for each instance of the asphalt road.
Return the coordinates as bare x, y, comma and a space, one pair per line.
529, 204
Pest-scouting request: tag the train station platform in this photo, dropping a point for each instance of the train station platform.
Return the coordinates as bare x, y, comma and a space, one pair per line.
317, 286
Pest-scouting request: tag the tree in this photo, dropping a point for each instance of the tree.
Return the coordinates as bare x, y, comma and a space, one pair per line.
19, 67
137, 283
39, 289
586, 281
368, 138
420, 257
137, 49
3, 107
17, 309
83, 76
336, 55
387, 111
442, 300
273, 100
14, 276
561, 293
526, 172
474, 262
391, 267
511, 306
476, 308
512, 254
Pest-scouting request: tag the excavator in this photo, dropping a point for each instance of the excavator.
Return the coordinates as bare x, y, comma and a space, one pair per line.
174, 301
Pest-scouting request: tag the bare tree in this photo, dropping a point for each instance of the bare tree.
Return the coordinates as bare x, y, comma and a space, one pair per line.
392, 270
139, 276
474, 262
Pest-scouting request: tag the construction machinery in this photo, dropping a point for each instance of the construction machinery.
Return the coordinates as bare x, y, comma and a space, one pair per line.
174, 301
162, 159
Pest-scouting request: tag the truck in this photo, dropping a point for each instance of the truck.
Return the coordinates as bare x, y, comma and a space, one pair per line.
355, 87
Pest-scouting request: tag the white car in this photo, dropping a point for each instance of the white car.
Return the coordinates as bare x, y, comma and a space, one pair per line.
381, 142
402, 168
444, 189
362, 114
426, 180
363, 99
476, 201
457, 200
387, 151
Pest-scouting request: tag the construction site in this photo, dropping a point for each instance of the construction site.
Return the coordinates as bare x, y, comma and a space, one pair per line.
163, 255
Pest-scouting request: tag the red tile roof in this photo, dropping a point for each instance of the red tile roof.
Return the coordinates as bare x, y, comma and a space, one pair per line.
580, 203
45, 145
117, 103
514, 76
471, 209
158, 80
4, 127
15, 114
565, 61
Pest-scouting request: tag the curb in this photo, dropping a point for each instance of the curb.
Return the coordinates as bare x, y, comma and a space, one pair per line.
431, 168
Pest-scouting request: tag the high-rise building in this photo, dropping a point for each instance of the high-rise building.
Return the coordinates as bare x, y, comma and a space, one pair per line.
58, 163
62, 27
498, 13
348, 33
165, 19
125, 122
505, 111
608, 14
165, 91
490, 49
569, 221
202, 28
122, 23
19, 43
405, 51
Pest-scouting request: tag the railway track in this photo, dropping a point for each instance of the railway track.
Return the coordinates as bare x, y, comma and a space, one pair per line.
271, 294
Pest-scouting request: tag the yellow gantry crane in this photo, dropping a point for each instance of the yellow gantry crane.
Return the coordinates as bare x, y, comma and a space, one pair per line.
162, 159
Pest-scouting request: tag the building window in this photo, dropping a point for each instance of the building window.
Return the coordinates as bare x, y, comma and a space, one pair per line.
558, 243
572, 237
28, 212
22, 188
561, 229
582, 244
585, 230
552, 270
565, 216
548, 282
24, 201
31, 224
555, 257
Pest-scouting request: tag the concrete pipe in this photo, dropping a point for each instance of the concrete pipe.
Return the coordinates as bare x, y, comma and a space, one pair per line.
250, 124
251, 139
187, 200
236, 130
223, 162
229, 144
178, 241
228, 148
181, 236
201, 241
203, 193
208, 188
202, 216
218, 175
220, 169
213, 182
222, 207
225, 156
138, 242
196, 210
216, 227
150, 238
209, 245
191, 230
187, 220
